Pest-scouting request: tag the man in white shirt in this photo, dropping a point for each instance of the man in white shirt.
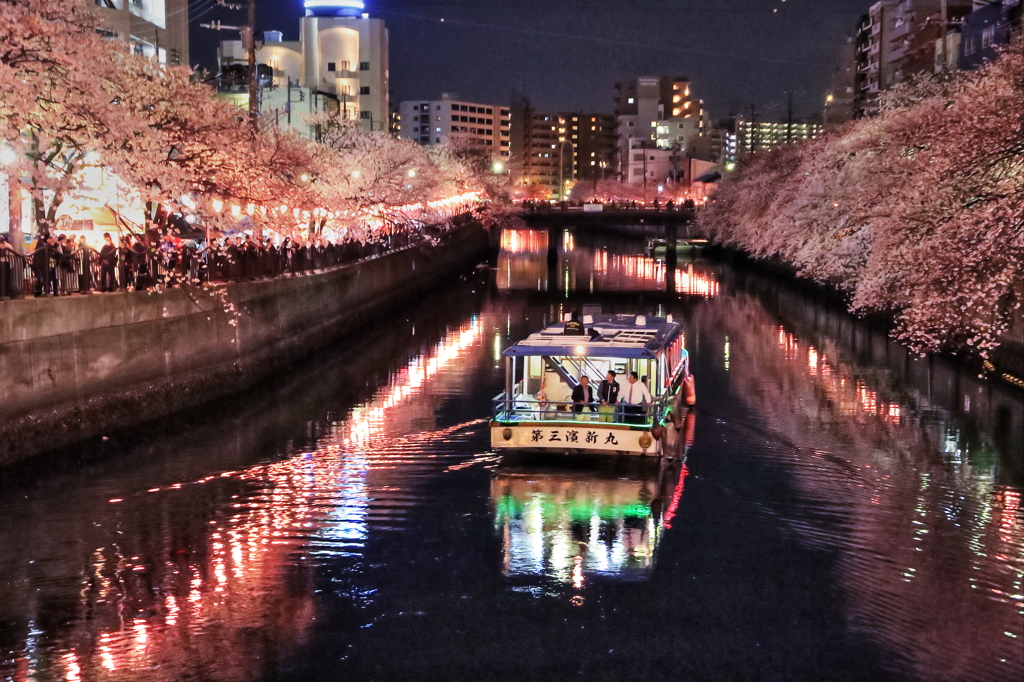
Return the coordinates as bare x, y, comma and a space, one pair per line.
632, 398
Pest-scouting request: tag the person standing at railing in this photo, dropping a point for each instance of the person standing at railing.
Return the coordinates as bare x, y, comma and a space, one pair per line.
168, 259
583, 395
140, 263
608, 397
633, 398
108, 261
65, 256
7, 261
82, 257
124, 262
41, 270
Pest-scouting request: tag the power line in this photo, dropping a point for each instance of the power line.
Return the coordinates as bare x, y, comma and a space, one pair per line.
605, 41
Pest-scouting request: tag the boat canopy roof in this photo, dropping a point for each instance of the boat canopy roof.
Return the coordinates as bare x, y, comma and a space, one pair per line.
620, 336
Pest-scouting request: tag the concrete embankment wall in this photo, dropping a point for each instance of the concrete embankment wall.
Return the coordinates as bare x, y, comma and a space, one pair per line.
77, 367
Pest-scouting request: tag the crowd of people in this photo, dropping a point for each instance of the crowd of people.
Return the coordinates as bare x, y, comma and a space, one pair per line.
60, 264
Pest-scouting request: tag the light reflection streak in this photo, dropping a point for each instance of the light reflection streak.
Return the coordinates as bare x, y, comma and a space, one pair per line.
296, 505
520, 266
992, 519
564, 525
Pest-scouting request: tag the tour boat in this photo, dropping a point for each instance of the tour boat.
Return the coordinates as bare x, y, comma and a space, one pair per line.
536, 411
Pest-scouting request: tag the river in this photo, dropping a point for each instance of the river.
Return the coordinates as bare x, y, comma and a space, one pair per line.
845, 510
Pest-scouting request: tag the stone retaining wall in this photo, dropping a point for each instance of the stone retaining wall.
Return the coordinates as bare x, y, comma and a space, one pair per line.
77, 367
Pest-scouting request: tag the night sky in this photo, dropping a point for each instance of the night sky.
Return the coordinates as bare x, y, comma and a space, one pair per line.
567, 54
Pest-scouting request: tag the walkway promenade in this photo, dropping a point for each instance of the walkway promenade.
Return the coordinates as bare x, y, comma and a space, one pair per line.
78, 366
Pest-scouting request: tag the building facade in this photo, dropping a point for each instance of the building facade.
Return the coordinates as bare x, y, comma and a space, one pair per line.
540, 162
591, 139
761, 136
896, 39
988, 26
658, 112
154, 28
433, 122
340, 63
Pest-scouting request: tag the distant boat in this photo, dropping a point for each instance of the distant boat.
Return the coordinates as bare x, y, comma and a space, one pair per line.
658, 248
536, 412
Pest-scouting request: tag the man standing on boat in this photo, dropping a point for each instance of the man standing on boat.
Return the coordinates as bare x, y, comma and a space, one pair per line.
608, 396
633, 399
583, 394
574, 327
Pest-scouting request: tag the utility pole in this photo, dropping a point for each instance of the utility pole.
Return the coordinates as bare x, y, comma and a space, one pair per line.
248, 33
254, 104
943, 31
752, 142
789, 119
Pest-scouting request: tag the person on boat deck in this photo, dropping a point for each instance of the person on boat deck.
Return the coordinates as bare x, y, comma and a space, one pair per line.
583, 394
574, 327
607, 396
608, 391
633, 398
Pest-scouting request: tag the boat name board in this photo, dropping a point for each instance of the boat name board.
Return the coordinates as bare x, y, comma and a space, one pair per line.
585, 437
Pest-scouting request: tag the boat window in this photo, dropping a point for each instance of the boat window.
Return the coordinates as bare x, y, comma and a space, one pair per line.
535, 373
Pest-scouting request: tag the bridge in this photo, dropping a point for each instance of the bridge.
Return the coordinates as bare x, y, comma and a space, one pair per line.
633, 222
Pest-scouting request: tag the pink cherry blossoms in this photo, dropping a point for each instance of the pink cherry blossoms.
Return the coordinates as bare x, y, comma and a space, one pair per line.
918, 212
70, 96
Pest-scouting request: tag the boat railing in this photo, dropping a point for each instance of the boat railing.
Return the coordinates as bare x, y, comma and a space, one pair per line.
520, 408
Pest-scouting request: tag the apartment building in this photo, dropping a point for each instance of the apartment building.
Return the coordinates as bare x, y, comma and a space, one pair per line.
987, 26
154, 28
894, 41
659, 112
433, 122
591, 139
760, 136
340, 63
541, 160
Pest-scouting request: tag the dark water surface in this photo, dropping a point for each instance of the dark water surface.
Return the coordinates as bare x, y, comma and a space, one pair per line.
845, 510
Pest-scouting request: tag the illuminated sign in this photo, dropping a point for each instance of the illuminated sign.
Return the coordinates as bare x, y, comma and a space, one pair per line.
354, 6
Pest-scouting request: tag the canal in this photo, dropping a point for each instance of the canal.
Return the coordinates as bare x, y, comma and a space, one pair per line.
845, 510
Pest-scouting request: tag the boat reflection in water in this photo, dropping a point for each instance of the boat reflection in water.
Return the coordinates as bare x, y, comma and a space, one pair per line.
574, 518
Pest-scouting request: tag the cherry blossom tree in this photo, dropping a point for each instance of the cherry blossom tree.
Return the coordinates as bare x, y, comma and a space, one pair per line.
916, 212
72, 98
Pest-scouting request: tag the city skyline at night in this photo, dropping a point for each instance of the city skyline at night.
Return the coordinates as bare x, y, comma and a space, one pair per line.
567, 55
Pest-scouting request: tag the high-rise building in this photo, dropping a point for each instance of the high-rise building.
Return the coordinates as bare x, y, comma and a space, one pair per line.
839, 100
539, 163
339, 63
592, 142
658, 112
893, 42
433, 122
755, 136
154, 28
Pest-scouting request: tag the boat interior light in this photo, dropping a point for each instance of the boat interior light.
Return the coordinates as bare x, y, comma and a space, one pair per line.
668, 318
641, 321
588, 319
566, 317
580, 350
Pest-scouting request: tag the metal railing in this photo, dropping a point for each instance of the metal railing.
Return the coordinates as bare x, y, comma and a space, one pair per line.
520, 408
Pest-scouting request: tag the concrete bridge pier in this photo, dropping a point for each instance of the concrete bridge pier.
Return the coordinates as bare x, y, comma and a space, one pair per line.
556, 234
671, 231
